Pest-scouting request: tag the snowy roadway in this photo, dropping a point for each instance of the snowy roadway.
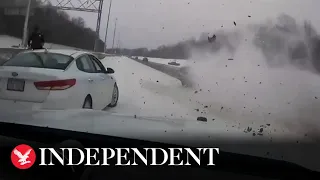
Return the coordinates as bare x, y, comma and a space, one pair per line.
142, 90
154, 106
145, 92
149, 93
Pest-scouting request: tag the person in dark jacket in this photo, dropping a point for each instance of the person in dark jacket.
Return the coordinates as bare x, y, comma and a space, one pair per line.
36, 39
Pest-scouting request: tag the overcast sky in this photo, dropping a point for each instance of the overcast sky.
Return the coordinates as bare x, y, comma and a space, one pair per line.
151, 23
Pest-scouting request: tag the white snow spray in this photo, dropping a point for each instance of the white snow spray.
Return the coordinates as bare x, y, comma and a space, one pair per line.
260, 74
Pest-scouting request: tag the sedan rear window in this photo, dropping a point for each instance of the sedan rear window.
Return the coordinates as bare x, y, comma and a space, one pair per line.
40, 60
7, 53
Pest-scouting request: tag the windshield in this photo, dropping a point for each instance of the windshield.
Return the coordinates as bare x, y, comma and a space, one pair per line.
248, 68
40, 60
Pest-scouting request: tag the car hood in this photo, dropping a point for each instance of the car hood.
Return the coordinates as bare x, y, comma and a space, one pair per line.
171, 131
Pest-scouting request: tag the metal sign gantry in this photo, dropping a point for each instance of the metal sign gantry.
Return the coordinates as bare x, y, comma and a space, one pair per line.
93, 6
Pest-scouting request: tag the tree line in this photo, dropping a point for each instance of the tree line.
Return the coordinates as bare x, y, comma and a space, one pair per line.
59, 28
270, 39
180, 50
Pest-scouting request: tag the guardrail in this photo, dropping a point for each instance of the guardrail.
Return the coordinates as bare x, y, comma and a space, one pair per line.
179, 73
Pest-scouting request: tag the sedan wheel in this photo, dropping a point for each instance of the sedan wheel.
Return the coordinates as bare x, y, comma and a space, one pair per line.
115, 97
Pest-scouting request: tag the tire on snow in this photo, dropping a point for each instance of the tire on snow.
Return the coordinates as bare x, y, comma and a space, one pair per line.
115, 96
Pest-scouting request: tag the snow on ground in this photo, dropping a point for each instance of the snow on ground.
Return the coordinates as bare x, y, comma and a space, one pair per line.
166, 61
247, 93
141, 86
146, 92
152, 96
8, 41
229, 97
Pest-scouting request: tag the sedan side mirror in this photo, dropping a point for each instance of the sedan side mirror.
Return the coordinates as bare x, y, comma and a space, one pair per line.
109, 71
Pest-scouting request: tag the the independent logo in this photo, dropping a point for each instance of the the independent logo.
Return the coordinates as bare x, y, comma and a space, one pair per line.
23, 156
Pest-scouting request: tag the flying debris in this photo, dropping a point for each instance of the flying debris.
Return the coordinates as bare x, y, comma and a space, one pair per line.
213, 38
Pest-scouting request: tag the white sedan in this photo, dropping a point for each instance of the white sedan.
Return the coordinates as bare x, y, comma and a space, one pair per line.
57, 79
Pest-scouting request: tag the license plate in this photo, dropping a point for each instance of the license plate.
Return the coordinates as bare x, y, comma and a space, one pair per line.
15, 85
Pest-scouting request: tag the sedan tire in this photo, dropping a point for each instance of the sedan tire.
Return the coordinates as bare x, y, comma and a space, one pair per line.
115, 96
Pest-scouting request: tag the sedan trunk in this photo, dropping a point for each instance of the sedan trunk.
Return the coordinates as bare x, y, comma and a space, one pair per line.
17, 83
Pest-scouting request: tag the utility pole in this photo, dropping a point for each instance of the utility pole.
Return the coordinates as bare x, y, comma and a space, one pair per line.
105, 39
118, 46
96, 43
114, 33
26, 22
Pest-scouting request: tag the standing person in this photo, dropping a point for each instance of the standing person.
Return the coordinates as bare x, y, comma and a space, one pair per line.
36, 39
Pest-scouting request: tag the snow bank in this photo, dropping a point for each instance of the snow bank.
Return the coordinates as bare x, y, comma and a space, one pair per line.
149, 93
8, 41
141, 86
246, 91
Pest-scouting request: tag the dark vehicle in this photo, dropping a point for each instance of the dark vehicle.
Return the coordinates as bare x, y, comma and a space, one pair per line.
145, 59
173, 63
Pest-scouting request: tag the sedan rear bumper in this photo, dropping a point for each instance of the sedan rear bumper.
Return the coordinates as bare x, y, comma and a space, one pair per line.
50, 104
10, 105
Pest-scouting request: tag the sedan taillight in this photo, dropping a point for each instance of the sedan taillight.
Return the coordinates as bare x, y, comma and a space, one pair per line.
55, 85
